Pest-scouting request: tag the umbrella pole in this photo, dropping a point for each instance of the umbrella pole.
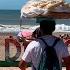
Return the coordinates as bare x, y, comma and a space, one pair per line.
20, 23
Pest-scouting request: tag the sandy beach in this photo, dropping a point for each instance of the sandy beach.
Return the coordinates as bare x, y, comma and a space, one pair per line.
13, 50
2, 45
16, 68
12, 47
13, 68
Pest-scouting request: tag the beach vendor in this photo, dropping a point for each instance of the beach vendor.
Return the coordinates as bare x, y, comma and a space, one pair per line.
35, 48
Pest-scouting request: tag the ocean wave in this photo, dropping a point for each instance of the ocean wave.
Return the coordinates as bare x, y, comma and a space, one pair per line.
17, 28
62, 28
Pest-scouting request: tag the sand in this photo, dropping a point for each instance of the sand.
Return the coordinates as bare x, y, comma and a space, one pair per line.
2, 50
13, 49
13, 68
16, 68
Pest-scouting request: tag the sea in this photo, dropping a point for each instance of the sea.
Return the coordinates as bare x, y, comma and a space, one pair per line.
10, 22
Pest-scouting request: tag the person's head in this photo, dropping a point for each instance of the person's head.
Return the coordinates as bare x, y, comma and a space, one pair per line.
47, 26
37, 33
24, 35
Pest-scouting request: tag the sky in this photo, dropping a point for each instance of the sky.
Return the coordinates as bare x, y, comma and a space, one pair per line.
13, 4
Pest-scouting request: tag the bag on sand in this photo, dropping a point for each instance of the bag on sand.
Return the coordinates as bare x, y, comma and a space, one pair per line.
49, 59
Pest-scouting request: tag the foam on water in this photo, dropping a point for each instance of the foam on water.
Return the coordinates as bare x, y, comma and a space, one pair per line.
62, 28
58, 28
16, 28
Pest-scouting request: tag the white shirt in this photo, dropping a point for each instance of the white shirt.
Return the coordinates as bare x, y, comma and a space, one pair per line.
35, 48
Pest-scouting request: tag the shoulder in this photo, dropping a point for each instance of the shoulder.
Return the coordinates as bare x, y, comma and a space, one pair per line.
60, 42
33, 44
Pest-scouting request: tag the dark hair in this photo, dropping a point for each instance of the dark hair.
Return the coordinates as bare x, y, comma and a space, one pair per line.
37, 33
47, 26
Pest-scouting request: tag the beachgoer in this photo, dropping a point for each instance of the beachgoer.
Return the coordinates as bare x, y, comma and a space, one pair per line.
36, 33
34, 49
24, 37
27, 36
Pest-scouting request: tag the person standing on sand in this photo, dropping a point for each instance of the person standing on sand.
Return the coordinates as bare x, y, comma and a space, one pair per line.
28, 37
35, 48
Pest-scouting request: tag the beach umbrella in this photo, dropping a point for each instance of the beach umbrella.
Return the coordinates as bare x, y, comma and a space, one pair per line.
43, 8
